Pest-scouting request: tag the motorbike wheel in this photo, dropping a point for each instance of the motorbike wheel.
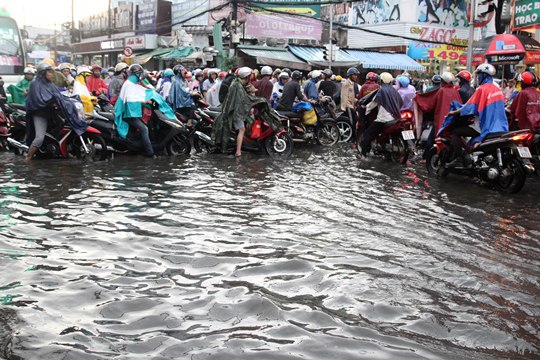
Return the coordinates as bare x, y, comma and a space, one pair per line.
345, 131
512, 178
328, 133
279, 146
202, 146
435, 163
96, 145
400, 152
179, 145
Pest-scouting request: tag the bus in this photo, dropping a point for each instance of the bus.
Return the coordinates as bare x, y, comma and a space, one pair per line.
12, 50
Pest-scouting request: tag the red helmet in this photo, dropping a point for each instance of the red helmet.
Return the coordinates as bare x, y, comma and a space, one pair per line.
222, 74
371, 76
527, 78
465, 75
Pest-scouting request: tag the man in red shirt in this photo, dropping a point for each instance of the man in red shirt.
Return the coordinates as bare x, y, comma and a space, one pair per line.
95, 83
264, 86
525, 108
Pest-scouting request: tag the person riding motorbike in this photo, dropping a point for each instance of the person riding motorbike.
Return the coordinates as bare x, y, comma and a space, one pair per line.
65, 69
79, 88
128, 107
213, 92
264, 86
388, 102
291, 91
180, 96
166, 83
525, 108
370, 85
464, 88
406, 91
277, 91
207, 84
95, 83
348, 99
487, 103
18, 92
58, 78
327, 86
120, 76
435, 83
227, 81
310, 87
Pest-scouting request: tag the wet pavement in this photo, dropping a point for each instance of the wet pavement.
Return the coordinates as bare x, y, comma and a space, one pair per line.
322, 256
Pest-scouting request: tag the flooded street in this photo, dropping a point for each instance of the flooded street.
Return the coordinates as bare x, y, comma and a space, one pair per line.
319, 257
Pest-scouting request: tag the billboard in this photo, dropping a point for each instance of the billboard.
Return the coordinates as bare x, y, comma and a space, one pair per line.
525, 14
296, 8
123, 18
370, 12
184, 9
450, 13
146, 17
95, 25
283, 27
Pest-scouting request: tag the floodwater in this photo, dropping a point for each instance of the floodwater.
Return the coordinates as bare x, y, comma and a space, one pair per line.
322, 256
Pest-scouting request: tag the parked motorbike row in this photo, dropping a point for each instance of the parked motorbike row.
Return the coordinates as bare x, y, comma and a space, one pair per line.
502, 159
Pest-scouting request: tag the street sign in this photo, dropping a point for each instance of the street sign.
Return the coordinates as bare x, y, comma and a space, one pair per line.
128, 51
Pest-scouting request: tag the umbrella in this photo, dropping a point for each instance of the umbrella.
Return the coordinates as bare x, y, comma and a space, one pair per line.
508, 49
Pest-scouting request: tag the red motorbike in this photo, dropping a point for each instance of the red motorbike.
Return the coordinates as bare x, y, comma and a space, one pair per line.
396, 142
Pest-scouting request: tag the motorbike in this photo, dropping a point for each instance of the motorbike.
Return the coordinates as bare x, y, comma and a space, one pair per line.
4, 130
61, 141
396, 142
167, 135
312, 125
501, 159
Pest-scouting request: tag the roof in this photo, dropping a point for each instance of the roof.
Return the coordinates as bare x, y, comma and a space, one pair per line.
388, 61
314, 56
275, 56
144, 58
176, 53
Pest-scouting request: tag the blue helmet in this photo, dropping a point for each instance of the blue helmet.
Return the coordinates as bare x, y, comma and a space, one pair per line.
436, 79
168, 72
403, 81
352, 71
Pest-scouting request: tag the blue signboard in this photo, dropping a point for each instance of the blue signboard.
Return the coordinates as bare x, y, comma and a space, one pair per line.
146, 17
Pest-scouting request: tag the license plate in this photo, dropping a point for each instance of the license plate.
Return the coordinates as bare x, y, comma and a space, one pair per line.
524, 152
409, 135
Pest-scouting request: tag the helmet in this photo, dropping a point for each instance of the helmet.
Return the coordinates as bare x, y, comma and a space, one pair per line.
63, 66
188, 75
121, 66
315, 74
296, 75
266, 70
284, 75
29, 70
222, 74
168, 72
372, 76
436, 79
339, 78
352, 71
486, 68
197, 72
177, 69
327, 72
465, 75
403, 81
447, 77
386, 78
244, 72
95, 66
43, 67
48, 61
527, 78
104, 71
213, 71
135, 69
205, 71
111, 69
83, 70
72, 68
287, 70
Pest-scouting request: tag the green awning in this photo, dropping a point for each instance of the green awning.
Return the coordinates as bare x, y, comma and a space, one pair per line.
144, 58
174, 54
273, 56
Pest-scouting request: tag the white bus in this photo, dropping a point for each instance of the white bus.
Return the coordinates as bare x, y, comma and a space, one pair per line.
12, 50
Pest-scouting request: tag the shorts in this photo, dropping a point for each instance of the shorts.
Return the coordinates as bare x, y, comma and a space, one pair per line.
238, 124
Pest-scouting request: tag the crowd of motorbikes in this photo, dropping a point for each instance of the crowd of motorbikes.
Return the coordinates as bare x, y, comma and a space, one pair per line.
504, 160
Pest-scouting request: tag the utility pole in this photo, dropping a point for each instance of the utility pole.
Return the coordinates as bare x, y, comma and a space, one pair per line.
110, 35
234, 23
72, 14
330, 36
471, 36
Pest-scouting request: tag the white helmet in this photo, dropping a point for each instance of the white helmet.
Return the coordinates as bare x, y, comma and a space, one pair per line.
386, 78
120, 66
63, 66
448, 77
83, 69
244, 72
315, 74
213, 71
486, 69
29, 70
284, 75
266, 70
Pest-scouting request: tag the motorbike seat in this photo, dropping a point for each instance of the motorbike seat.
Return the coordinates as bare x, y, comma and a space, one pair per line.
494, 135
107, 115
290, 114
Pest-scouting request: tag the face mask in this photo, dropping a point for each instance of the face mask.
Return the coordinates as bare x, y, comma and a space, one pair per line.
73, 73
97, 74
111, 73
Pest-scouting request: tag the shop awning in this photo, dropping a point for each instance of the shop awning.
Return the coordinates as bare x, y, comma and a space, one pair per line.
144, 58
174, 54
274, 56
314, 56
387, 61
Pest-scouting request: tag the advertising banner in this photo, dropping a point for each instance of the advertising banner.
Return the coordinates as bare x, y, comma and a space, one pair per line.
525, 14
427, 51
123, 18
443, 13
95, 25
369, 12
146, 17
184, 9
283, 27
308, 9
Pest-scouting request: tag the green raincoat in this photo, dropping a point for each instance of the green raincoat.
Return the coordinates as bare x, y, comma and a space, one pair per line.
237, 105
18, 92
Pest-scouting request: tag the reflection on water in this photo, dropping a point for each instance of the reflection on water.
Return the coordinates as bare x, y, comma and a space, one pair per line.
319, 257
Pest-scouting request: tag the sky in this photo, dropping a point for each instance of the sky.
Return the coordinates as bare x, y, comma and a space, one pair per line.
51, 13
